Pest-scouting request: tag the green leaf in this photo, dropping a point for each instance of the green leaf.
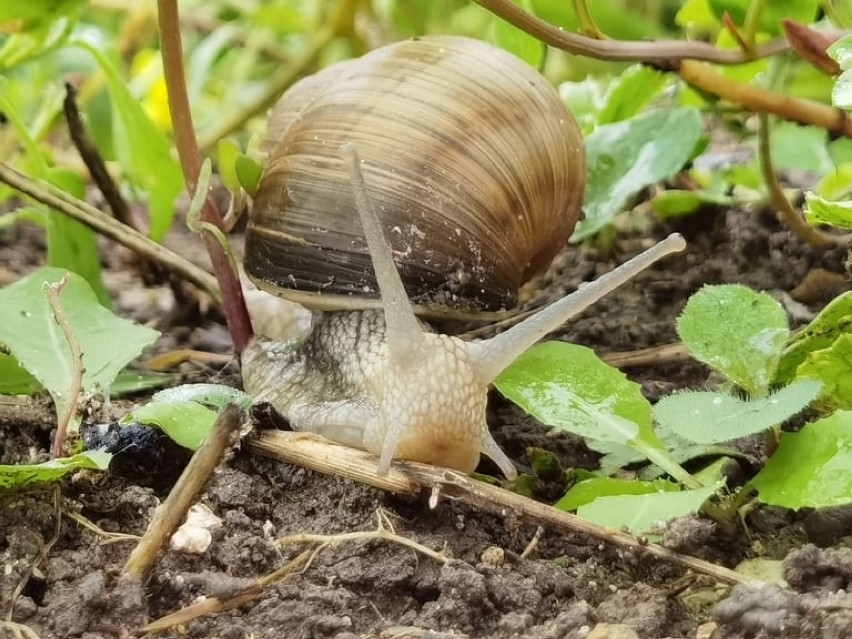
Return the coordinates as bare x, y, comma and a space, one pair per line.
831, 322
821, 211
143, 151
226, 158
713, 418
630, 92
675, 203
15, 379
832, 366
640, 513
72, 245
129, 382
248, 172
800, 148
841, 51
841, 93
626, 157
567, 387
737, 331
585, 492
19, 475
187, 413
811, 468
28, 328
187, 423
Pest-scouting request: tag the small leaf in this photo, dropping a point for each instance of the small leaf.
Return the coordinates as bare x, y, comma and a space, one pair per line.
187, 413
841, 93
841, 51
587, 491
675, 203
226, 158
567, 387
737, 331
187, 423
18, 475
28, 328
632, 89
831, 322
713, 418
640, 513
626, 157
811, 468
129, 382
249, 173
818, 210
832, 366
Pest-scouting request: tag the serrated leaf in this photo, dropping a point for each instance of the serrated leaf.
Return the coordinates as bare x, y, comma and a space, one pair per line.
811, 468
28, 328
640, 513
567, 387
587, 491
142, 148
818, 210
737, 331
19, 475
832, 366
831, 322
626, 157
713, 418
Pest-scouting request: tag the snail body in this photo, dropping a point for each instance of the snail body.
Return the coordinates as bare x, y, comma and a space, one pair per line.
434, 176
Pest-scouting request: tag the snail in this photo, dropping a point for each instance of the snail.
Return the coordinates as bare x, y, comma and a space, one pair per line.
429, 177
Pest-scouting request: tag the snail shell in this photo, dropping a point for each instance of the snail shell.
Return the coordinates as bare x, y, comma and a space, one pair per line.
473, 163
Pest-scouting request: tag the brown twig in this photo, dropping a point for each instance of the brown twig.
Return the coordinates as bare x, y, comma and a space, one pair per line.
684, 58
790, 215
664, 51
110, 227
171, 47
173, 510
69, 408
315, 453
92, 159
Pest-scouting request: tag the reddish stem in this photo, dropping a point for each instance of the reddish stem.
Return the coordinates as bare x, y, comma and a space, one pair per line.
233, 303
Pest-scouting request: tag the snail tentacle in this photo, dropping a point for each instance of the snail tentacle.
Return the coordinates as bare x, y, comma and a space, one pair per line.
492, 356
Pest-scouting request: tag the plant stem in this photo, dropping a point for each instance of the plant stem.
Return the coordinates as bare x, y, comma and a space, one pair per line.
585, 20
665, 461
110, 227
665, 51
69, 408
233, 303
752, 22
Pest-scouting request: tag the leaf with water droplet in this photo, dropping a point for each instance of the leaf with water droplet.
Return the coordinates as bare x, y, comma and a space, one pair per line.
713, 418
567, 387
737, 331
29, 329
811, 468
640, 513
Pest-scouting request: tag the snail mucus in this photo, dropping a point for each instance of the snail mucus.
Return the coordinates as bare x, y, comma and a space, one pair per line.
430, 177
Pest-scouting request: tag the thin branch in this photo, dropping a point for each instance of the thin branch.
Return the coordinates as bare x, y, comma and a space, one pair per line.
409, 478
172, 511
664, 51
93, 160
70, 407
790, 215
233, 303
110, 227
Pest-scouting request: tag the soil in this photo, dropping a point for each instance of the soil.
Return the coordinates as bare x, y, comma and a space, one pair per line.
62, 580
